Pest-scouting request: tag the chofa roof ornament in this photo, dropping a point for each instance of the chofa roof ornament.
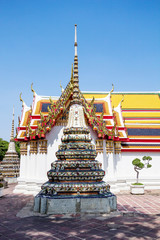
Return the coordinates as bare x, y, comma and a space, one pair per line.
34, 93
122, 100
112, 88
20, 96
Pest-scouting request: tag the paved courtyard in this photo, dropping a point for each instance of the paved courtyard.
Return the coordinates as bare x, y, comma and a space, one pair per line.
138, 217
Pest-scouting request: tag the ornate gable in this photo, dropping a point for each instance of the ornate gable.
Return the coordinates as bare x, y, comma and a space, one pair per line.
47, 112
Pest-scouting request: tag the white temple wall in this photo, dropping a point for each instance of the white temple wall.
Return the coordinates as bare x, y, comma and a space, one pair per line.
53, 141
125, 169
105, 160
125, 173
28, 163
41, 167
23, 166
118, 167
33, 167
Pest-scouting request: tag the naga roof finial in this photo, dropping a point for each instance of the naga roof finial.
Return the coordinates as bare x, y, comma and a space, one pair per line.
62, 89
122, 100
20, 96
112, 88
32, 89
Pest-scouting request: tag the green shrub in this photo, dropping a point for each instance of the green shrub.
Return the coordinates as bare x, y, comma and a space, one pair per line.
138, 165
137, 184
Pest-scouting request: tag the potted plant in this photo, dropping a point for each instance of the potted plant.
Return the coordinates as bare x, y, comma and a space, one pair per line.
138, 188
1, 189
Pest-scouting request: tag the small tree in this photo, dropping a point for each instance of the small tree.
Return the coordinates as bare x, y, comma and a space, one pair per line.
138, 165
3, 148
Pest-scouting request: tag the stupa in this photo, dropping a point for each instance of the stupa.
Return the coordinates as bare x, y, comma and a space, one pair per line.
9, 167
76, 179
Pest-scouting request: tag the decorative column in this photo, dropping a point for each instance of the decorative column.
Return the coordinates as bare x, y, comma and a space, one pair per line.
23, 159
41, 161
110, 156
33, 147
117, 157
117, 147
100, 153
43, 146
33, 156
99, 145
23, 148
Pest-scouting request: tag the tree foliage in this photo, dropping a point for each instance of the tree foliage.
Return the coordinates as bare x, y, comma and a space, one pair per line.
17, 148
137, 162
138, 165
3, 148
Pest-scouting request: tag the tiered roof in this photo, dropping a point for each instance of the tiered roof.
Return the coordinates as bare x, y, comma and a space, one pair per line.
139, 113
47, 111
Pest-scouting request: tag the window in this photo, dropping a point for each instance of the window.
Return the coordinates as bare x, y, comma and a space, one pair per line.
45, 107
99, 107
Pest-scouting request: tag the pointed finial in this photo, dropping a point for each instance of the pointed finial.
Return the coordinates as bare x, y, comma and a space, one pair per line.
32, 89
122, 100
75, 42
76, 92
112, 88
20, 96
12, 131
62, 89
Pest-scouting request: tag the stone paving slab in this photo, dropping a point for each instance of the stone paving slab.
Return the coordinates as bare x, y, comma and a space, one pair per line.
138, 217
148, 204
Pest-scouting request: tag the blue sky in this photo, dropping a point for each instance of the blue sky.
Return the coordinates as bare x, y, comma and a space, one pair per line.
118, 42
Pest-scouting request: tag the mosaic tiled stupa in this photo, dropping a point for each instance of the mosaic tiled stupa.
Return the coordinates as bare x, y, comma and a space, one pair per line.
9, 167
75, 179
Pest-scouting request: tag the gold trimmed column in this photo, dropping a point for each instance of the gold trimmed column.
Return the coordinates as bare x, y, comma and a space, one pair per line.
23, 160
117, 147
110, 157
33, 147
23, 148
99, 145
109, 147
43, 146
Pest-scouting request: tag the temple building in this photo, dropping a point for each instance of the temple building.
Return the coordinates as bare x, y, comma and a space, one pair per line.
123, 126
9, 167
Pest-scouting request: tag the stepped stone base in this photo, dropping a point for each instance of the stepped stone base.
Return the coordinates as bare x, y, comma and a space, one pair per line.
75, 204
10, 179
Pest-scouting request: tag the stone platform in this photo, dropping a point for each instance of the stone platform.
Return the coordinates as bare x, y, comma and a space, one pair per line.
137, 217
75, 204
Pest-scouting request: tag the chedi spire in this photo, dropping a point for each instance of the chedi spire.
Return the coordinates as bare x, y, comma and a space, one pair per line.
12, 131
76, 96
75, 180
11, 147
10, 163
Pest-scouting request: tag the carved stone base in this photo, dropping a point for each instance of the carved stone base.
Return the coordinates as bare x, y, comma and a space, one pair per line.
77, 204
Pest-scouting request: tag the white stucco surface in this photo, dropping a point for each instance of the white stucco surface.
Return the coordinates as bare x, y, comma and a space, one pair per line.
118, 167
